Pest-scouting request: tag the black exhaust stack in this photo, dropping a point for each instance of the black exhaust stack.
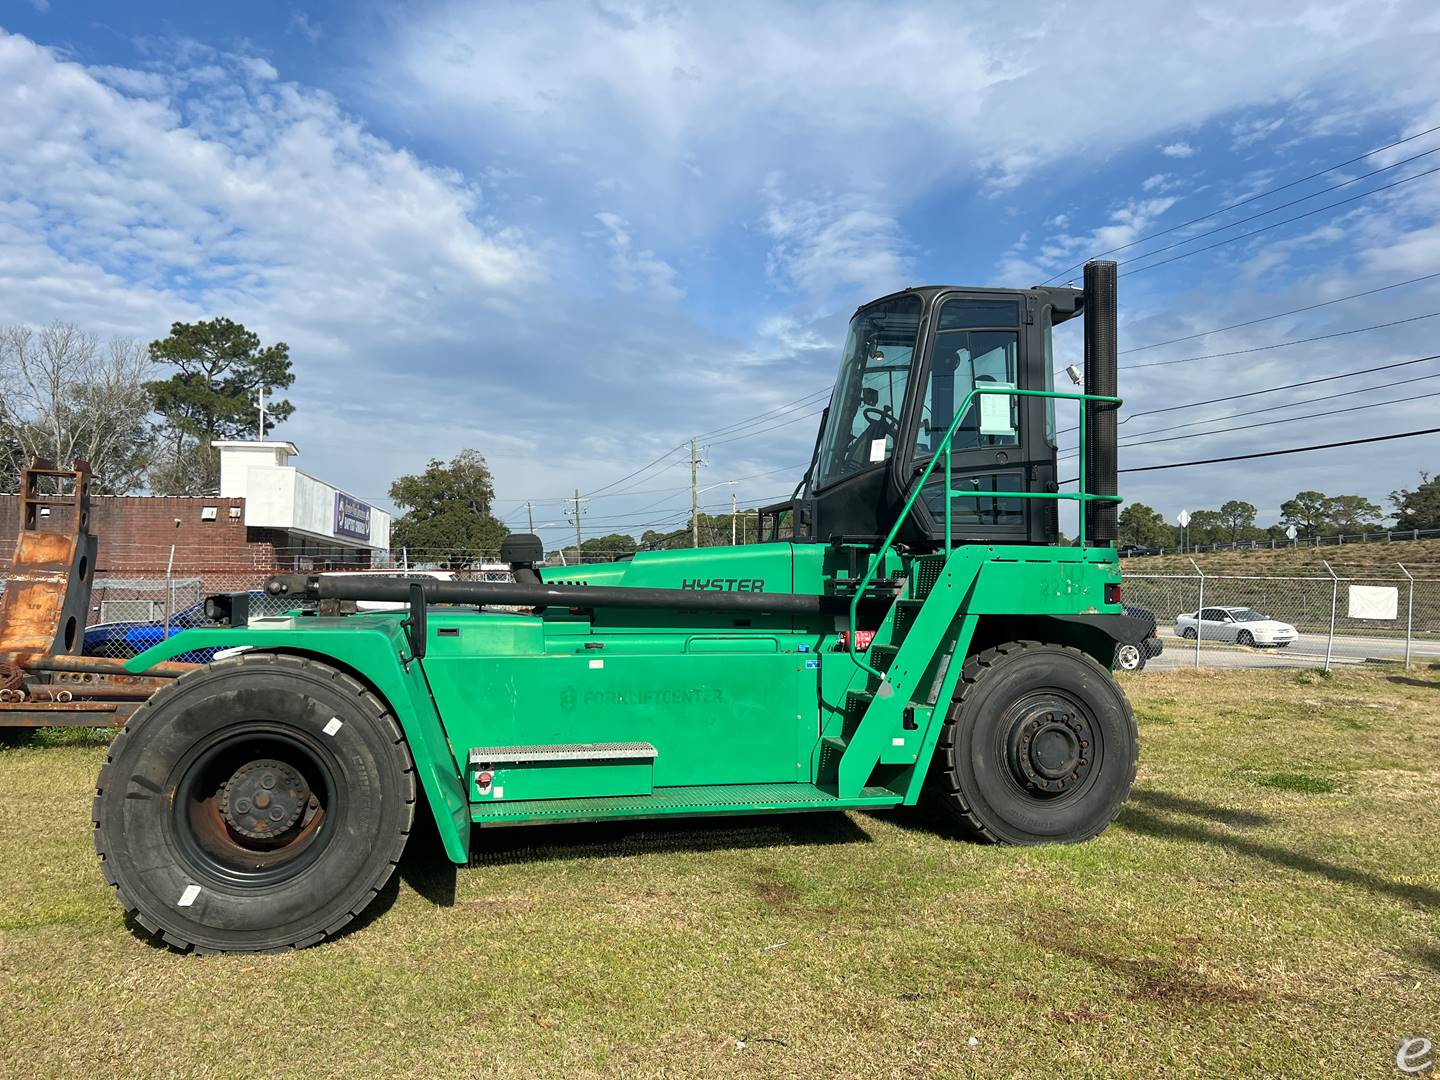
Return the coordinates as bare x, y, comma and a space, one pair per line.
1101, 377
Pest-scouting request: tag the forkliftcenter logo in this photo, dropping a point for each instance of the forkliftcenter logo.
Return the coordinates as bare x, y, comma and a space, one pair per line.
724, 584
642, 696
1414, 1055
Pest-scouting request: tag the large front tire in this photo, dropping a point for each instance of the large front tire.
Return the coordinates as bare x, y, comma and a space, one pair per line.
253, 805
1040, 746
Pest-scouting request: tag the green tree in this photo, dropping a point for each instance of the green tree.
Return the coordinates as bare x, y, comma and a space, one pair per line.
1354, 513
1237, 520
221, 367
1420, 508
447, 511
1308, 511
607, 548
1206, 527
1141, 524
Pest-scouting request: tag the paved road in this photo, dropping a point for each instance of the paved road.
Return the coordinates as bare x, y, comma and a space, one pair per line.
1307, 651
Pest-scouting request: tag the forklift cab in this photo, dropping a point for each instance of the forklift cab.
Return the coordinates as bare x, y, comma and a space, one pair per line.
910, 359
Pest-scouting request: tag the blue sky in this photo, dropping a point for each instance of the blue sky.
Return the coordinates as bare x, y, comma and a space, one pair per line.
573, 235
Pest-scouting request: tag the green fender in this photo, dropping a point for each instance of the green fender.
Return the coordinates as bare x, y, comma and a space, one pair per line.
370, 648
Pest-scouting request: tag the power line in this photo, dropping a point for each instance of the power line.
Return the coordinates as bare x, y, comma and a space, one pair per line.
1288, 405
1244, 202
761, 431
1274, 224
637, 472
1279, 314
1270, 408
670, 493
1279, 453
1283, 344
1281, 206
1268, 390
1272, 423
777, 411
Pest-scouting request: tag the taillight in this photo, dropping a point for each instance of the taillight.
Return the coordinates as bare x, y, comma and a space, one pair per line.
1112, 593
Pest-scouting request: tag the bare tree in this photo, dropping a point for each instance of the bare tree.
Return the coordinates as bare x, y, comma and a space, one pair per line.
63, 397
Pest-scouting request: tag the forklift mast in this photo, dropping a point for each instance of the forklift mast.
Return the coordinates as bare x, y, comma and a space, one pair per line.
919, 362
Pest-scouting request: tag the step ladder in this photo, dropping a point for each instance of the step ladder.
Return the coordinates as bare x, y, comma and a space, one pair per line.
887, 721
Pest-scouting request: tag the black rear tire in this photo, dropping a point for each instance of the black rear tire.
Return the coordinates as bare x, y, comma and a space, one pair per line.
1040, 746
256, 804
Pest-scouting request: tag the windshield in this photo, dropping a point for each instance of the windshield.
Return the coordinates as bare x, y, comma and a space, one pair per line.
1246, 615
870, 390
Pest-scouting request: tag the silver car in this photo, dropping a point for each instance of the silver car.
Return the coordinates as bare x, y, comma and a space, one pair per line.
1242, 625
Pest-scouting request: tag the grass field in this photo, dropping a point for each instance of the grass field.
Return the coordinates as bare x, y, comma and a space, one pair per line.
1269, 903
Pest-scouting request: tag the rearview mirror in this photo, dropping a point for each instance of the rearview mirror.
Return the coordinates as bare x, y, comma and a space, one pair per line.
869, 395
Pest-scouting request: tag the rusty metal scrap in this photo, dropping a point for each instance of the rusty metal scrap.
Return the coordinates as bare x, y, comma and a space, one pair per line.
44, 680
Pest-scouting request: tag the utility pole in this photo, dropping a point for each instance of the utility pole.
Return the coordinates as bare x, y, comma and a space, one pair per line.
578, 560
732, 519
694, 498
530, 513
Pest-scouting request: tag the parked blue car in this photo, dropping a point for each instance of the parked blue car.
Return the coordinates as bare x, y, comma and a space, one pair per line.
129, 638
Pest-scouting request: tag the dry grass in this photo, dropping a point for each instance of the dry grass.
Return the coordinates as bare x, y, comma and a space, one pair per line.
1421, 558
1227, 925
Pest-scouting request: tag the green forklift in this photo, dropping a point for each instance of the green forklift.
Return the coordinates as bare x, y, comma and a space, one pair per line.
909, 628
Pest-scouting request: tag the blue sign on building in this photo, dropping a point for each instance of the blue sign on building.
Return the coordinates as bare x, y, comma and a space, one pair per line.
352, 517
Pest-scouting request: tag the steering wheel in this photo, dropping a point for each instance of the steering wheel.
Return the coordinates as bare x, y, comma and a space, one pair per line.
883, 417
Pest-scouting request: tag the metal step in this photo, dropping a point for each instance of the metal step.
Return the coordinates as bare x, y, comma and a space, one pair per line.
601, 751
881, 656
680, 801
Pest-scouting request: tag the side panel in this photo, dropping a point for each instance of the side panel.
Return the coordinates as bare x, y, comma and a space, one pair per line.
369, 647
714, 717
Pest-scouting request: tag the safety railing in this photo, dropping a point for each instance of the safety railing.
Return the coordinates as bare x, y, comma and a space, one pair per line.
1080, 495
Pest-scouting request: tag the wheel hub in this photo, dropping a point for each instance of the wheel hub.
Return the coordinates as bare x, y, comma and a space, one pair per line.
1051, 750
264, 799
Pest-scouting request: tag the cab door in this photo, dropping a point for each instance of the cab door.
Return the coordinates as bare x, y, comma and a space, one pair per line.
987, 339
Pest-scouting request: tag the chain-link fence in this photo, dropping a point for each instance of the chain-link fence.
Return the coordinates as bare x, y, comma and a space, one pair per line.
1203, 618
1229, 620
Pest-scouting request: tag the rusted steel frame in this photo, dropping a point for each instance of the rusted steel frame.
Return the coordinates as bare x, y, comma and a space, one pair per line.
98, 665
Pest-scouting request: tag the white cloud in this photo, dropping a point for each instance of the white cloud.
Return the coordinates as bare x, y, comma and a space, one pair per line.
833, 242
253, 198
1178, 150
637, 271
302, 24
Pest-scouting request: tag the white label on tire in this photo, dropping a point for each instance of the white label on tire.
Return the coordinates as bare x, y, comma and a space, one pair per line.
333, 726
188, 896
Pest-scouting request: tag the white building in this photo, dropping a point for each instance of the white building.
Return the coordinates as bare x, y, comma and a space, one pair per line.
300, 515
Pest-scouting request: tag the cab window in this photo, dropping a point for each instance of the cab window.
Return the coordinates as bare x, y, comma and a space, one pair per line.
870, 391
977, 344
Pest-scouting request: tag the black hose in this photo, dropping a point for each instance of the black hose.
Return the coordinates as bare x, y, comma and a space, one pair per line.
397, 590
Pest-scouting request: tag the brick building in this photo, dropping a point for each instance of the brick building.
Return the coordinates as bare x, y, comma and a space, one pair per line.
268, 515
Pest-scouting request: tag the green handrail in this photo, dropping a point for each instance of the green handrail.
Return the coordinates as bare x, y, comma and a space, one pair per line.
1081, 496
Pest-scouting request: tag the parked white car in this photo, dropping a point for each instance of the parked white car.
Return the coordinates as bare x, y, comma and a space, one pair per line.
1242, 625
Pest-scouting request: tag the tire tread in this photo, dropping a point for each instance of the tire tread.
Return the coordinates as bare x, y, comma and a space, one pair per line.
947, 792
377, 713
